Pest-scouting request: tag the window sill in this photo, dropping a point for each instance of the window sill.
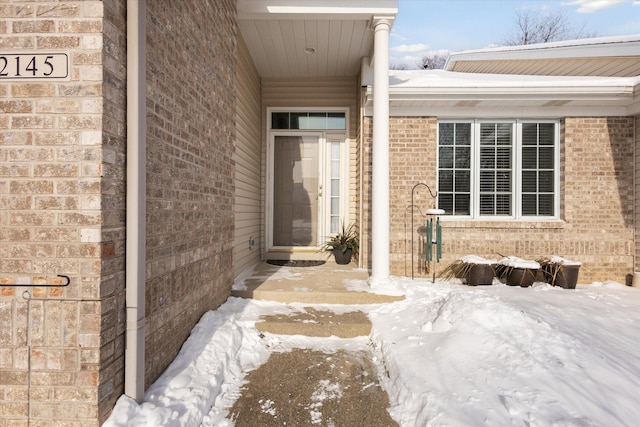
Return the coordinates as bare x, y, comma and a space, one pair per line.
504, 224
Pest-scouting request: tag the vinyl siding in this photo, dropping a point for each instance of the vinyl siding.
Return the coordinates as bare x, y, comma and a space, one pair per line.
247, 163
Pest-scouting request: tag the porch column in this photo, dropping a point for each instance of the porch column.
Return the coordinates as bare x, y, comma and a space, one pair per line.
380, 154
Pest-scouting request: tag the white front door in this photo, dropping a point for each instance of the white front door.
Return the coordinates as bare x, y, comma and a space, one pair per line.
307, 189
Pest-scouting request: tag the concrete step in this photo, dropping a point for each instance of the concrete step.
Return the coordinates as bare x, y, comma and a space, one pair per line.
317, 323
315, 297
326, 284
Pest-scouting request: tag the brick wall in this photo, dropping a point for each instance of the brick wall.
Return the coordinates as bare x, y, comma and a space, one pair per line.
62, 196
191, 48
113, 207
637, 191
597, 197
56, 166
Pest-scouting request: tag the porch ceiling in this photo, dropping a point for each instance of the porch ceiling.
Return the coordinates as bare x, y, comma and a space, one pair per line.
293, 38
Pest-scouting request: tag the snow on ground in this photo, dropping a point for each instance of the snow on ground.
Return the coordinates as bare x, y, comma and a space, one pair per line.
449, 355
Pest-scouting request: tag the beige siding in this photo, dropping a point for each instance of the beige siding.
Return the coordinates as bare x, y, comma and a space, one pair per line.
608, 67
247, 160
329, 92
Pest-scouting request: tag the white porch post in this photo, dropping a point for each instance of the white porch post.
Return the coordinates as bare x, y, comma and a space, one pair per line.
380, 154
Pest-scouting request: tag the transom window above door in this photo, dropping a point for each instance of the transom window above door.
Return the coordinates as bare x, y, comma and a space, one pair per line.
308, 120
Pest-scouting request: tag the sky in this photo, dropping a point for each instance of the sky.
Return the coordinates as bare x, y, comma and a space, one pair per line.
447, 355
426, 26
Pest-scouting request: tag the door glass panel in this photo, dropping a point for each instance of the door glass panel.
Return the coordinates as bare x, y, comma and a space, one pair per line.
335, 187
295, 191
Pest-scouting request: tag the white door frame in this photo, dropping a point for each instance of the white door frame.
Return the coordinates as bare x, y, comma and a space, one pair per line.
325, 138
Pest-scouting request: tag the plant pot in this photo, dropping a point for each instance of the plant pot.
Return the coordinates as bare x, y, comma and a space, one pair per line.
566, 276
480, 274
342, 258
523, 277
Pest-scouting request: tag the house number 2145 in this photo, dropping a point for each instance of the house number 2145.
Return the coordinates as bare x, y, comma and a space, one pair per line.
19, 66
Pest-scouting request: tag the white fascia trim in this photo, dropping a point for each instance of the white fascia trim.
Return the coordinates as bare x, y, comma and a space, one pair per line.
615, 46
515, 112
634, 109
315, 9
497, 93
623, 94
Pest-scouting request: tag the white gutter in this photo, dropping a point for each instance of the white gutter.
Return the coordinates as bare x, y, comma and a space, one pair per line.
531, 91
136, 198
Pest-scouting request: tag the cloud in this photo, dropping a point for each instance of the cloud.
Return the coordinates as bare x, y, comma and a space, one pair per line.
398, 36
590, 6
410, 48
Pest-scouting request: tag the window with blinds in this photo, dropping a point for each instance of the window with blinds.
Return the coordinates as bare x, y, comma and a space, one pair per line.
498, 169
538, 169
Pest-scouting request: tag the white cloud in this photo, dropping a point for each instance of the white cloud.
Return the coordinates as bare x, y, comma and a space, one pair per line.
398, 36
410, 48
590, 6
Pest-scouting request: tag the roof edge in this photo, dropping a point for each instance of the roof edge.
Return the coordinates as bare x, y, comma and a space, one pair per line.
315, 9
628, 45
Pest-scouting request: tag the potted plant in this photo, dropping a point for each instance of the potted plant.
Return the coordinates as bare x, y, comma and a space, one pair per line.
344, 245
560, 272
472, 270
516, 271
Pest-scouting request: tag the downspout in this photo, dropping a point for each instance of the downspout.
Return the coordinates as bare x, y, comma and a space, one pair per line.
136, 199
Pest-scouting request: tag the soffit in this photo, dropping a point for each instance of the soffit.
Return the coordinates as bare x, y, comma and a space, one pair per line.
278, 32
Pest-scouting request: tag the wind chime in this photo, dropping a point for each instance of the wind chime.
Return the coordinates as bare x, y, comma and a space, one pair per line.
433, 233
433, 240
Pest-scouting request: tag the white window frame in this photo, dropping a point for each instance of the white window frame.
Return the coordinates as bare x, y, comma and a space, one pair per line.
516, 199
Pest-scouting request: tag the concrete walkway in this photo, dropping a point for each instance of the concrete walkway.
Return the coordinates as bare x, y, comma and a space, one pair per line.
307, 387
325, 284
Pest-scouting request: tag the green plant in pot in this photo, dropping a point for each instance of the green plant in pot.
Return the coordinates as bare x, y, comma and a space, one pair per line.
344, 245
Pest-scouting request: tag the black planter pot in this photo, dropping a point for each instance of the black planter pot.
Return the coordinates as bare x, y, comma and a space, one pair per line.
523, 277
566, 276
480, 274
342, 258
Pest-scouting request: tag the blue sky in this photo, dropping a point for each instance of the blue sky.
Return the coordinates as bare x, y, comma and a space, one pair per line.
423, 26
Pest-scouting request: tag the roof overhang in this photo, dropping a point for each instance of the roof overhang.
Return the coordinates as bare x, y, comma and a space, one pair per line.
439, 93
310, 38
603, 56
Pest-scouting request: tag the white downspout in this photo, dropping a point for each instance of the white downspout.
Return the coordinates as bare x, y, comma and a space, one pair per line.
380, 154
136, 198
